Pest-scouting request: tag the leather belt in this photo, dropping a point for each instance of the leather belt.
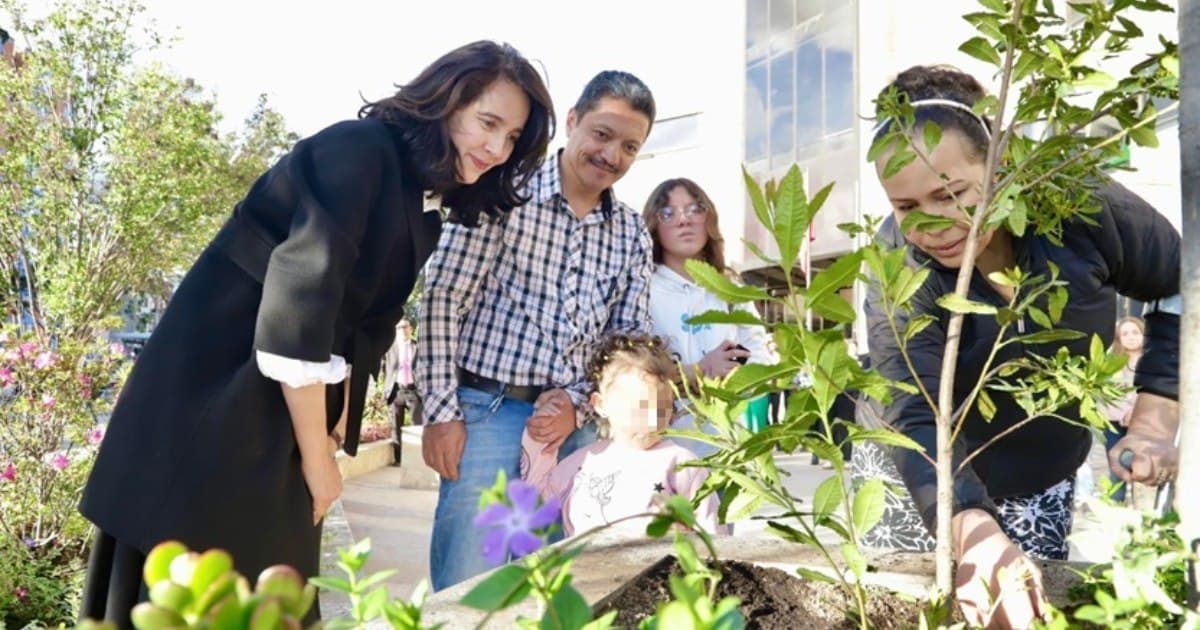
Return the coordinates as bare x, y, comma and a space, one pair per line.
523, 393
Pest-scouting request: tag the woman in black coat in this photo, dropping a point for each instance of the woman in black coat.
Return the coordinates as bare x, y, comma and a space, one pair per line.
1013, 501
225, 433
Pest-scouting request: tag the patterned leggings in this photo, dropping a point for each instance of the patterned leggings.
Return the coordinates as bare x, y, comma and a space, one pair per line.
1038, 523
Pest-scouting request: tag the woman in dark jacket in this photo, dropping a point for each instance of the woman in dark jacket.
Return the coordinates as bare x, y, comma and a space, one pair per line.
1012, 501
225, 433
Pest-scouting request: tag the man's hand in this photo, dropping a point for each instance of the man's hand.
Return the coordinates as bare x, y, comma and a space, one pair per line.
553, 419
996, 585
442, 447
1151, 437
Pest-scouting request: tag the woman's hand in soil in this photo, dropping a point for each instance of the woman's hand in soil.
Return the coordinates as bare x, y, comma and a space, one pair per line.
324, 482
996, 585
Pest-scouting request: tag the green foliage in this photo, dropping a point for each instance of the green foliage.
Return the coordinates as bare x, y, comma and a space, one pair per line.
102, 158
51, 398
1142, 589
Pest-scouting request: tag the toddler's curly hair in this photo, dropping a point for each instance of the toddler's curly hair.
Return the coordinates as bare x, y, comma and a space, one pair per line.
624, 350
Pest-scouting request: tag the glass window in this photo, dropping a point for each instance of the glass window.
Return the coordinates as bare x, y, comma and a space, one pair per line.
756, 111
838, 42
808, 93
756, 29
782, 93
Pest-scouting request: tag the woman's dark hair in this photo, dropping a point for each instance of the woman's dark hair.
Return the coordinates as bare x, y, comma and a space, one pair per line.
946, 82
714, 250
619, 85
422, 110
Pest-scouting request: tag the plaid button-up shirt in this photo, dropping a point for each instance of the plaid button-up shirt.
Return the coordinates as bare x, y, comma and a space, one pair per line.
522, 299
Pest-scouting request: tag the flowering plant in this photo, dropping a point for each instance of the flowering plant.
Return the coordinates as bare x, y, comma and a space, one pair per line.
53, 398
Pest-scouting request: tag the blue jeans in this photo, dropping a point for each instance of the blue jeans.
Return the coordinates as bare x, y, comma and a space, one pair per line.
494, 426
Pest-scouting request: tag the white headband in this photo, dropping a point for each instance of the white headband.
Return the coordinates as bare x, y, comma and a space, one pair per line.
948, 103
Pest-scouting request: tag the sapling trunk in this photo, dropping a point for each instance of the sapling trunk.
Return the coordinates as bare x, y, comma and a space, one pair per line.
1189, 394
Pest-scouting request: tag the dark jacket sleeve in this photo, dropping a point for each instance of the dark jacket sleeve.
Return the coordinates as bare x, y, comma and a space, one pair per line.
334, 178
910, 414
1142, 251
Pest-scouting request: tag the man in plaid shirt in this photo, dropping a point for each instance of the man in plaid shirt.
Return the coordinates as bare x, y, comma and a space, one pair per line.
510, 310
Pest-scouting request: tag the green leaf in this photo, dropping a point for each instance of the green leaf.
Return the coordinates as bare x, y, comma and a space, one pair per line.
737, 317
840, 274
751, 375
956, 303
916, 325
1026, 64
987, 406
1018, 217
995, 6
981, 49
727, 290
757, 201
817, 201
507, 586
854, 559
815, 576
828, 496
901, 158
1096, 80
790, 534
932, 136
327, 583
1050, 336
910, 281
888, 437
869, 501
568, 610
834, 308
1039, 317
759, 253
1170, 64
602, 623
922, 222
792, 217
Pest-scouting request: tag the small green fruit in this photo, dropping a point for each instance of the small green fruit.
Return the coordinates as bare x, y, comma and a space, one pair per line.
283, 582
267, 616
159, 560
216, 592
182, 567
212, 564
306, 601
171, 596
147, 616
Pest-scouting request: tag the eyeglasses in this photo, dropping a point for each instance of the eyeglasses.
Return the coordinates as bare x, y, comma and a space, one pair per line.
667, 214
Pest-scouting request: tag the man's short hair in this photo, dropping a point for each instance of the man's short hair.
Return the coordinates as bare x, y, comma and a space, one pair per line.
616, 84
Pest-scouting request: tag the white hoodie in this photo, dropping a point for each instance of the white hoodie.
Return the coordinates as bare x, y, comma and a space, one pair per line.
675, 299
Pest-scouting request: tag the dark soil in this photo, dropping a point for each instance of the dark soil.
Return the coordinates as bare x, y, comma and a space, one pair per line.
771, 599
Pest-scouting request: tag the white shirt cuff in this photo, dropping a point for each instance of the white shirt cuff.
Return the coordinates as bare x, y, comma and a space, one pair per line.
296, 373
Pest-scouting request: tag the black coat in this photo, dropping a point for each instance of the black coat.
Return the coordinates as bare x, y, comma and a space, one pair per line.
318, 259
1132, 251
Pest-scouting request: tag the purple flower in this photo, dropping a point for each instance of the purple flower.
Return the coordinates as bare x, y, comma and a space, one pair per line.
31, 543
513, 523
95, 435
44, 360
10, 473
48, 401
116, 349
6, 377
21, 593
60, 462
26, 349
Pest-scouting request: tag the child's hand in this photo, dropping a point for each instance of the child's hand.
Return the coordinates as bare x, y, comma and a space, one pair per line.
553, 419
